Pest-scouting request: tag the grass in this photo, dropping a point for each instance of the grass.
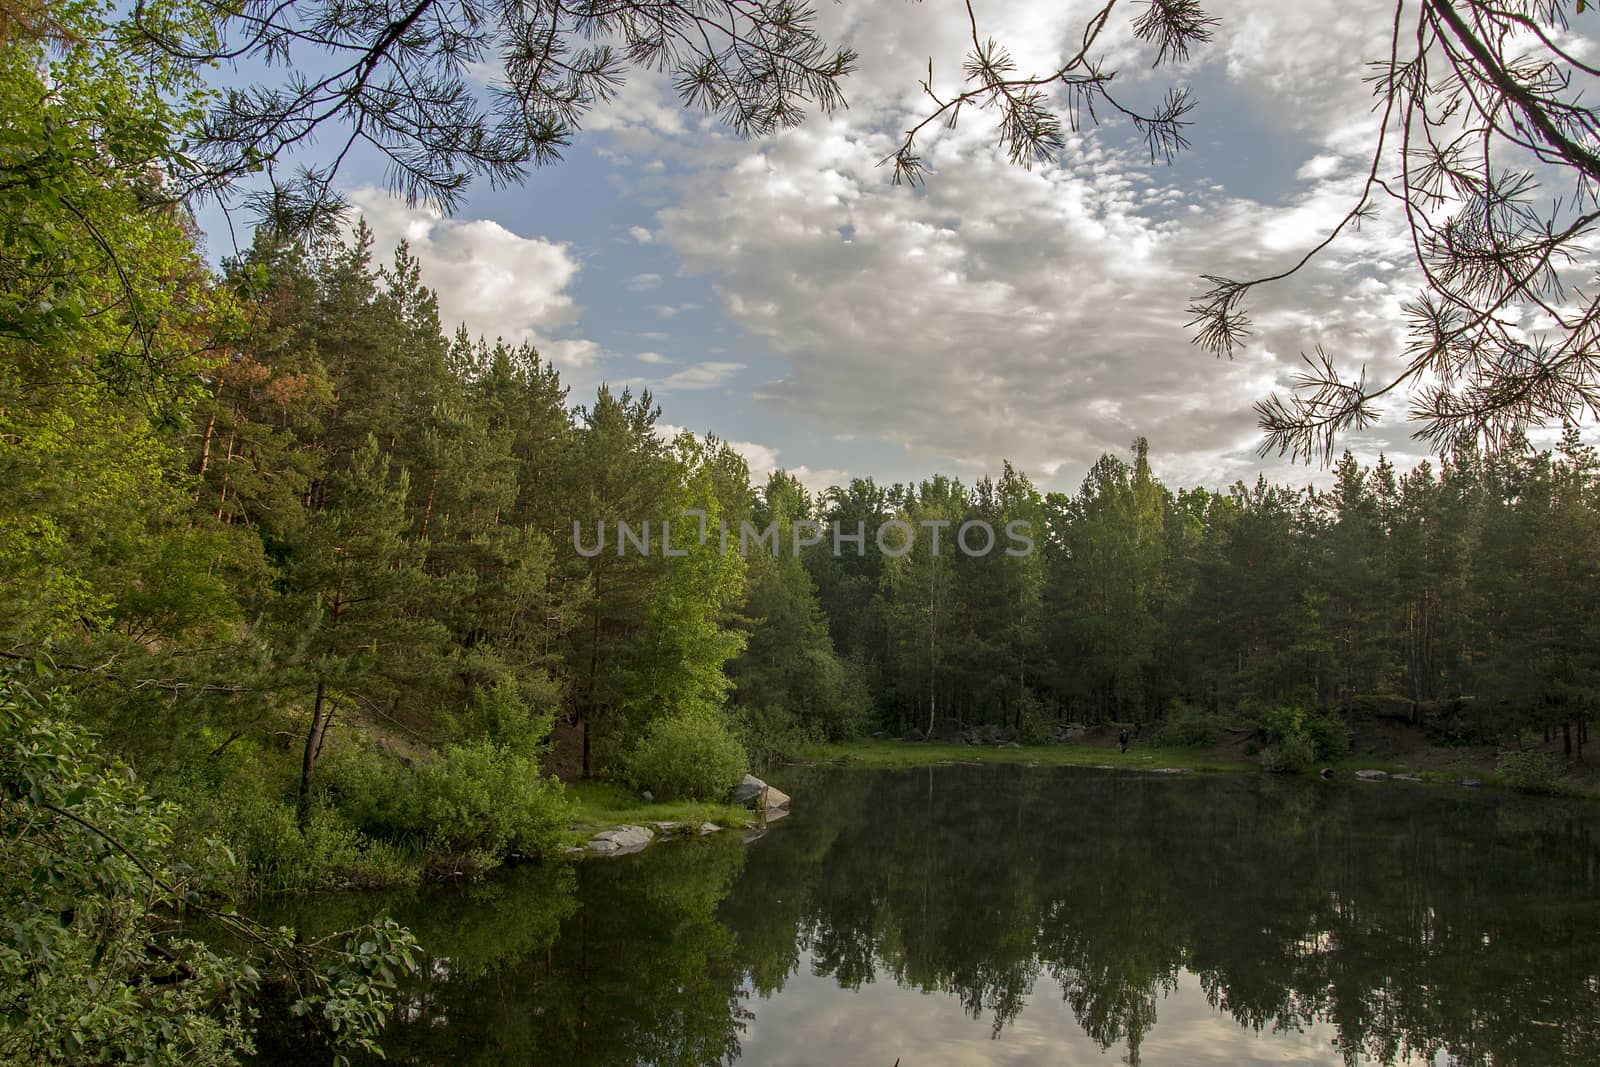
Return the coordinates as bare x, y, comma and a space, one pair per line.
602, 805
917, 754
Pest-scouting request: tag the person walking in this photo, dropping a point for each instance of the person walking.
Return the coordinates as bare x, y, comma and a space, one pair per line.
1122, 739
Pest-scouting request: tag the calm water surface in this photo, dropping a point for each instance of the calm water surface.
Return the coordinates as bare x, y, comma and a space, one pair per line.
1007, 915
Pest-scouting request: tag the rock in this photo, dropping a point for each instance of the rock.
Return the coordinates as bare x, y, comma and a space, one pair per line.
621, 840
1408, 777
1472, 783
748, 792
754, 793
1372, 776
707, 828
881, 735
1327, 772
648, 797
667, 829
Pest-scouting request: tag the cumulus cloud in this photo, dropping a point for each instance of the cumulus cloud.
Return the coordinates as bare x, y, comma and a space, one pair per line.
640, 234
499, 283
642, 282
1039, 315
652, 357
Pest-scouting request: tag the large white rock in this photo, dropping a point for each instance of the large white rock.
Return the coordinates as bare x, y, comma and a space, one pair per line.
754, 793
621, 840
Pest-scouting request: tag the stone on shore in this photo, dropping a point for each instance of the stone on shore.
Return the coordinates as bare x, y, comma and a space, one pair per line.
621, 840
758, 795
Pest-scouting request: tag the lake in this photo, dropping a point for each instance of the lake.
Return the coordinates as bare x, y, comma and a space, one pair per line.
1011, 915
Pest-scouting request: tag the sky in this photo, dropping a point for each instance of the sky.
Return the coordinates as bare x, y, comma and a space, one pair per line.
784, 295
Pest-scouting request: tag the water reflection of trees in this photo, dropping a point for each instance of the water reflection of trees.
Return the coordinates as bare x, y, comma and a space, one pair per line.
1408, 919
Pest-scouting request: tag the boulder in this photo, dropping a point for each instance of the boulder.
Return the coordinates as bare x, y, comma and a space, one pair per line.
756, 794
1472, 783
621, 840
1372, 776
707, 828
748, 793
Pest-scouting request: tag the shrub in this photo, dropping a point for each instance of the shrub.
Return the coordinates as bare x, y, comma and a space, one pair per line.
470, 804
1189, 726
1300, 735
1329, 735
1290, 754
275, 857
687, 757
771, 734
1529, 772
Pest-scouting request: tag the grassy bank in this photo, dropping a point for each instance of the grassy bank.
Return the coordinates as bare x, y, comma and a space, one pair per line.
601, 805
906, 754
918, 754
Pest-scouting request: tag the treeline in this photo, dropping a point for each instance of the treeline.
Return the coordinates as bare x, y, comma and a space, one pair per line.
1460, 597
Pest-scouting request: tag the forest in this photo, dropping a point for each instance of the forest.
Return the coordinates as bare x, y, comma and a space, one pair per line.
289, 600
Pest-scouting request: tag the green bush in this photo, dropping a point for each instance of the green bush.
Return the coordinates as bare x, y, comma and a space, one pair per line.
1329, 736
1290, 754
1529, 772
771, 734
687, 757
1297, 736
469, 805
1189, 726
1034, 725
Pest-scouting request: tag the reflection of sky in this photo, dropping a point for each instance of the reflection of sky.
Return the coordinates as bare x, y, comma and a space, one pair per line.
814, 1021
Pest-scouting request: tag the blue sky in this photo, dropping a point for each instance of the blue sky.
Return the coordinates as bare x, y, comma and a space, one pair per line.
783, 295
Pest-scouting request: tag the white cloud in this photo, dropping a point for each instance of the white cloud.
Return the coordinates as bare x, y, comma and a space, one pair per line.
706, 375
499, 283
652, 357
641, 282
640, 234
1038, 315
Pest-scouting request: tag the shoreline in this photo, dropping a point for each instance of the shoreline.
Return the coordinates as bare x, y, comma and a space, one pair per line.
896, 755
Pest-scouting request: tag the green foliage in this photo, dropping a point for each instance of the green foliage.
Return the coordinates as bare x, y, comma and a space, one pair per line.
1294, 737
688, 757
1035, 727
89, 969
464, 807
277, 856
771, 735
1529, 771
1190, 726
1290, 753
81, 869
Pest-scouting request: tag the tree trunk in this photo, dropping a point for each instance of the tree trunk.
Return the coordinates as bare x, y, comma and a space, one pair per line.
594, 670
1566, 738
308, 762
211, 426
